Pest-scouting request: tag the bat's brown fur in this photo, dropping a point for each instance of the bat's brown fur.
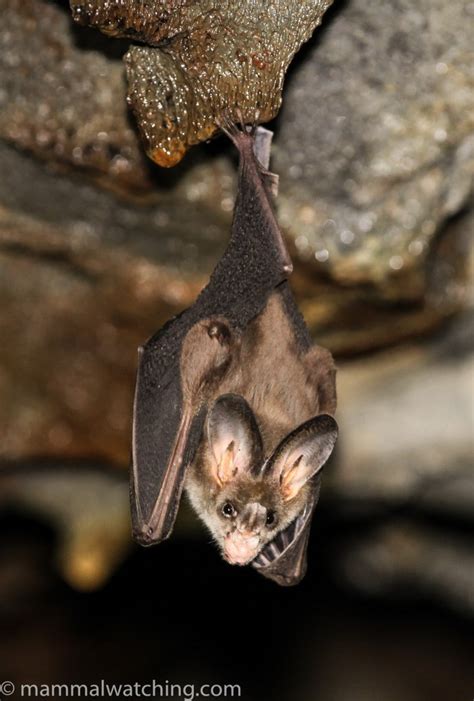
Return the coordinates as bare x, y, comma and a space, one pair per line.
283, 387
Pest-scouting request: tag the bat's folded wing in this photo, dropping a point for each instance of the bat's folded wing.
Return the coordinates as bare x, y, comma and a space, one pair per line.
284, 558
165, 437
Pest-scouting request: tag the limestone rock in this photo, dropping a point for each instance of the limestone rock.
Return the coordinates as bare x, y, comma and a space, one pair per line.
208, 62
374, 146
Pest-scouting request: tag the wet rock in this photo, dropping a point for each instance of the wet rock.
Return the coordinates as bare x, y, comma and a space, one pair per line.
403, 481
65, 103
352, 319
76, 304
209, 62
336, 174
374, 144
406, 421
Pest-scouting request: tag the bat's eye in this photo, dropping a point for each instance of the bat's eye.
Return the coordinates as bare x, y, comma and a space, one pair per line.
271, 518
229, 510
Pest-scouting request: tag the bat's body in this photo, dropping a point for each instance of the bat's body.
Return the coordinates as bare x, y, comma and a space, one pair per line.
283, 388
232, 392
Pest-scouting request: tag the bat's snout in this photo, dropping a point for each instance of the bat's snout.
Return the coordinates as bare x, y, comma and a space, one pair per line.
239, 549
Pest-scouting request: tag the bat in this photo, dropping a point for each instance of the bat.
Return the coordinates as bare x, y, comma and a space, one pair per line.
232, 401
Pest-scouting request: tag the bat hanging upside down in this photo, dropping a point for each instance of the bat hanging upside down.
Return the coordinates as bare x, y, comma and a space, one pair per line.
233, 402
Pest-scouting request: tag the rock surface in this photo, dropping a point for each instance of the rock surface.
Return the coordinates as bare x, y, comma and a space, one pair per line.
62, 102
403, 480
208, 62
375, 145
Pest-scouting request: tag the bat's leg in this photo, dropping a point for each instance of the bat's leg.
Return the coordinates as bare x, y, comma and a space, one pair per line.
262, 145
255, 262
261, 139
256, 185
207, 352
322, 372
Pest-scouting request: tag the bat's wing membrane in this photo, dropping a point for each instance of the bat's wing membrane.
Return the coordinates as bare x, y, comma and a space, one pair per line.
284, 558
165, 437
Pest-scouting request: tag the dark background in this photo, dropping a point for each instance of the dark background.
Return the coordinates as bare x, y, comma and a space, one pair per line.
180, 614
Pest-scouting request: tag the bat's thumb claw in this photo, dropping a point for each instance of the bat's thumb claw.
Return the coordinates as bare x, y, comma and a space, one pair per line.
145, 536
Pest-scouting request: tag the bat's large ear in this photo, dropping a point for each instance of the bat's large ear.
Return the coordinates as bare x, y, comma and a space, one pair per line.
303, 453
234, 439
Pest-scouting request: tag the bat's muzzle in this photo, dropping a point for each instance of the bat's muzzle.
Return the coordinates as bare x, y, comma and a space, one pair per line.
239, 549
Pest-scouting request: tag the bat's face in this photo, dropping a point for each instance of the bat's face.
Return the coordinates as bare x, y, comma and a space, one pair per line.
248, 498
249, 513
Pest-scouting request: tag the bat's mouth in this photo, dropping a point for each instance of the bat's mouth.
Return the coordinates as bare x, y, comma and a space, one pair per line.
283, 540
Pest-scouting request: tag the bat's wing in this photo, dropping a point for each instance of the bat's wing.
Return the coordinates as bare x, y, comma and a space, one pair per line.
165, 437
167, 425
284, 558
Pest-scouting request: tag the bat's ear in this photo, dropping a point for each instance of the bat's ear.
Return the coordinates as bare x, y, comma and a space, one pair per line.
234, 439
303, 453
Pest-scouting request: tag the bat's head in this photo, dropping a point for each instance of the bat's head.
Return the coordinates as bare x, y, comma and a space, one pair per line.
257, 500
